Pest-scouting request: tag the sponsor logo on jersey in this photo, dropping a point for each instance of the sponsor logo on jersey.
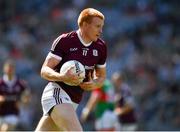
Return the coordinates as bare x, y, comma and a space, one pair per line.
73, 49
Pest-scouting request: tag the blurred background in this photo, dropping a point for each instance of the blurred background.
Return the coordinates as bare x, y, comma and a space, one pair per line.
143, 39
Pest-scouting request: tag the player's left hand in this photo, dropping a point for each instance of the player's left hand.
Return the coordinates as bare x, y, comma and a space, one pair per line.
90, 85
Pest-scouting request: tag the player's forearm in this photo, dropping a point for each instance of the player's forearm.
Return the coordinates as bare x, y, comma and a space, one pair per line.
126, 109
92, 102
89, 107
50, 75
100, 77
123, 110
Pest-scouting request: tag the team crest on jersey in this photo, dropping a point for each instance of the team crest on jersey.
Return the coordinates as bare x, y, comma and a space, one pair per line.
95, 52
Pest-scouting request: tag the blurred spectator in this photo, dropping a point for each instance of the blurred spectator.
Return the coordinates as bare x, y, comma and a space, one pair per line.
101, 102
13, 91
125, 104
139, 34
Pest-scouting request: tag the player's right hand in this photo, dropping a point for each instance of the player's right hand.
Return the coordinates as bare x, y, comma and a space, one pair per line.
84, 115
71, 77
2, 98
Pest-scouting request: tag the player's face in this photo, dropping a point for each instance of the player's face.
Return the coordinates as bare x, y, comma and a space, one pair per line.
9, 69
116, 82
94, 29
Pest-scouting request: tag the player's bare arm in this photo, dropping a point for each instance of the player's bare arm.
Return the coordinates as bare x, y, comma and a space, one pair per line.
92, 102
124, 110
48, 72
97, 82
2, 98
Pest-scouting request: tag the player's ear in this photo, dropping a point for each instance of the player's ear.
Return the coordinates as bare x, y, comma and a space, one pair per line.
85, 24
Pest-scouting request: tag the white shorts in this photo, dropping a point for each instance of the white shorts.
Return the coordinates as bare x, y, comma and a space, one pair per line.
108, 120
9, 119
53, 95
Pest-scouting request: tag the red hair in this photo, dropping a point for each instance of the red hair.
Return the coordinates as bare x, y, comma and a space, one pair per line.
87, 14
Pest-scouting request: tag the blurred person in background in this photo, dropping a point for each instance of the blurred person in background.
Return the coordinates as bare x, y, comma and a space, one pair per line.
125, 104
13, 92
59, 100
102, 102
27, 110
151, 27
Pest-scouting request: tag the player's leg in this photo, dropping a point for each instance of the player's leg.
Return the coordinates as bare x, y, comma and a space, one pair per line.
58, 105
64, 116
45, 124
7, 127
9, 123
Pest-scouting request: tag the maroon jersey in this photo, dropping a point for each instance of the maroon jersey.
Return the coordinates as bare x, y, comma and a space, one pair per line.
11, 91
70, 46
126, 97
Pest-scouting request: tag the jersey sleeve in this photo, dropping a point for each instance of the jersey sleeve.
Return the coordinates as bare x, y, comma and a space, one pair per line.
1, 83
57, 50
23, 85
103, 57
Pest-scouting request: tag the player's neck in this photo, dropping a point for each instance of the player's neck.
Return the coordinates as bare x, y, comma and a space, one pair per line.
84, 36
9, 77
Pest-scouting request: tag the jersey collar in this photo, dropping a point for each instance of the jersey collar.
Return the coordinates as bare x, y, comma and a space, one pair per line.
81, 40
10, 83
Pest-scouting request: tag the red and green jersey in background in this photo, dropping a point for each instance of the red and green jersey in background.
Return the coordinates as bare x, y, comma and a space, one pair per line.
106, 98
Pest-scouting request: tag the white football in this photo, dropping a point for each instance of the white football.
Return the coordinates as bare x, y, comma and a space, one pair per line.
77, 67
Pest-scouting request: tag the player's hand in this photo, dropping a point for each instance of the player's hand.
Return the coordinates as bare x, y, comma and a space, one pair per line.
84, 115
2, 98
88, 85
71, 77
118, 111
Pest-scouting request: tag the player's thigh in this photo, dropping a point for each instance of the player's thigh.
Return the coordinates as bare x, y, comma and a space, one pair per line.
65, 115
46, 124
9, 122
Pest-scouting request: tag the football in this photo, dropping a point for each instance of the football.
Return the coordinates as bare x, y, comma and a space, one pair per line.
77, 67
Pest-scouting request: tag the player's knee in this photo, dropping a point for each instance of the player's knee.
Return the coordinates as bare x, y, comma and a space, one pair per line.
7, 127
66, 122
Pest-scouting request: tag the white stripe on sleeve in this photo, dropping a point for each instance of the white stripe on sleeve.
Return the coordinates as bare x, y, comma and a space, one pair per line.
50, 55
101, 66
55, 42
